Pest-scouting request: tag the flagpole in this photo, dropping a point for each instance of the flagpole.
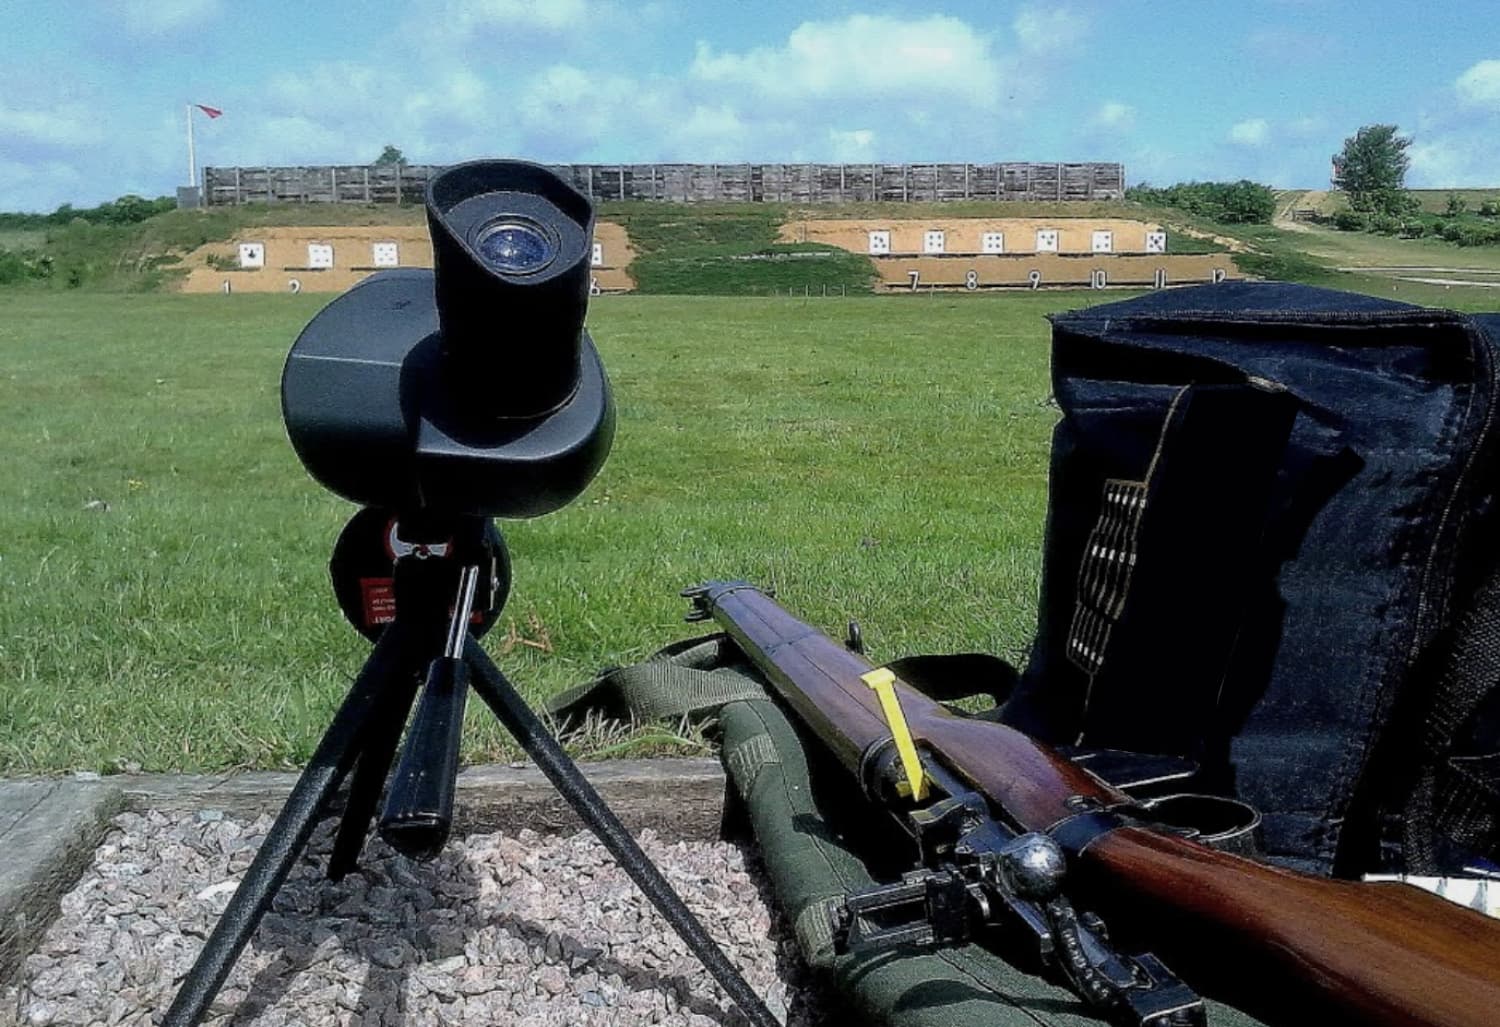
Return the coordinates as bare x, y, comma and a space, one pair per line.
192, 158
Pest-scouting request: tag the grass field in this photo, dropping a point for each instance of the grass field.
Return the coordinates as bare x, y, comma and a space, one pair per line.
162, 554
878, 457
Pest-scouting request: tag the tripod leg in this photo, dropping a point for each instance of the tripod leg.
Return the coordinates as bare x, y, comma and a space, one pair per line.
376, 755
529, 731
288, 835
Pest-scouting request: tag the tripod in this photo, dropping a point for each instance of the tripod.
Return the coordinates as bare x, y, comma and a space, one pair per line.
435, 581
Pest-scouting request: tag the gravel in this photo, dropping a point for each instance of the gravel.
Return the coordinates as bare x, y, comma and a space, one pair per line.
520, 929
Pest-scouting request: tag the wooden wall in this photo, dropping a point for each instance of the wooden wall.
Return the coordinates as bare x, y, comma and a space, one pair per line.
693, 183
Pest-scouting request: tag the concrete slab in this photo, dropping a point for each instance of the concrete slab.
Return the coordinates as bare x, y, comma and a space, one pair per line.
48, 831
679, 798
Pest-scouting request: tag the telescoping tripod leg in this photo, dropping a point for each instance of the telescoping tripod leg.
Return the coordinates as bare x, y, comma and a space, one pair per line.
528, 730
330, 762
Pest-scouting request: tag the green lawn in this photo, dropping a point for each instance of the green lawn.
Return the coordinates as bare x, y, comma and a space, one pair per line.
878, 457
1365, 249
882, 457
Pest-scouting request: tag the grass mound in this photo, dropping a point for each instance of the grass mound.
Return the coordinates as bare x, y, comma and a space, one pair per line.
145, 256
730, 250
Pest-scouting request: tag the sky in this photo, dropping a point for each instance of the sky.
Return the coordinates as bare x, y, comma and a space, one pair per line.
92, 94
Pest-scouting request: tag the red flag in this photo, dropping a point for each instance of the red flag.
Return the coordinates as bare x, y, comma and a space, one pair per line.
212, 112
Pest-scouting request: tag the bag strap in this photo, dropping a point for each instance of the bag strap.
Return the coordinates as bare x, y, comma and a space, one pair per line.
688, 679
949, 677
694, 677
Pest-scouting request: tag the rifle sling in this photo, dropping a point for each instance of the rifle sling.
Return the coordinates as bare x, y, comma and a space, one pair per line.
1081, 830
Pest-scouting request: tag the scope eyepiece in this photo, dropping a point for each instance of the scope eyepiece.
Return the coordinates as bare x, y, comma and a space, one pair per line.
471, 388
516, 246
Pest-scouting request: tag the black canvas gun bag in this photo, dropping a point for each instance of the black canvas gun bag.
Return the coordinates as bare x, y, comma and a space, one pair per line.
1271, 548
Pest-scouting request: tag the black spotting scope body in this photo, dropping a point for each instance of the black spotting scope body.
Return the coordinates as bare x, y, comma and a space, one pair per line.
471, 389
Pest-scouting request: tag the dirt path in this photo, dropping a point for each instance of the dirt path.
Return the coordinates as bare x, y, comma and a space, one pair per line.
1307, 198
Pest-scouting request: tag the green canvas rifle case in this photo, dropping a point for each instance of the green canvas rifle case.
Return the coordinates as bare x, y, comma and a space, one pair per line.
819, 841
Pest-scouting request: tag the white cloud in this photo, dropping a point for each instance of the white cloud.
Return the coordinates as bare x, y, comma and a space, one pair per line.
346, 111
1049, 29
1292, 46
1480, 85
63, 127
555, 16
1458, 145
1251, 132
1115, 116
852, 145
1455, 160
560, 80
39, 185
148, 18
1308, 127
863, 57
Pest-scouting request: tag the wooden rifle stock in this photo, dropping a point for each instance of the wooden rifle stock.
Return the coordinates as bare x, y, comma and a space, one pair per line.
1288, 947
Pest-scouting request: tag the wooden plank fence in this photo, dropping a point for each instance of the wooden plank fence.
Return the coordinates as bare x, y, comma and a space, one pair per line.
693, 183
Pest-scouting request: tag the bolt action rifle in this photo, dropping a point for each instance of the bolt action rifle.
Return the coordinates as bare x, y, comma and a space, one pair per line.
1002, 821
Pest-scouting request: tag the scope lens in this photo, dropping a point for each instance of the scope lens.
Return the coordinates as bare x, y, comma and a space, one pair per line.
516, 247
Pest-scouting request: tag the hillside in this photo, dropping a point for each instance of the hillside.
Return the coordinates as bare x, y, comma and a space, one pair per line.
736, 248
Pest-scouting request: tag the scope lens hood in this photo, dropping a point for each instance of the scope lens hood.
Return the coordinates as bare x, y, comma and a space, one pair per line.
511, 243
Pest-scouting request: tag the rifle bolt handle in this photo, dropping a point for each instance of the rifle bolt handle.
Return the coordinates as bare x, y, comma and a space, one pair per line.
1033, 865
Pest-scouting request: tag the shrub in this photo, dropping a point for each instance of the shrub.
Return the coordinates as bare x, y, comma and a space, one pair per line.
1490, 209
1242, 202
127, 210
1397, 202
1479, 235
1349, 221
1385, 224
23, 266
1451, 231
1456, 205
1413, 228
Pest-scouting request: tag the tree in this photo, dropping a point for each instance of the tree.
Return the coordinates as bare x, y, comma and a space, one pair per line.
391, 155
1371, 168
